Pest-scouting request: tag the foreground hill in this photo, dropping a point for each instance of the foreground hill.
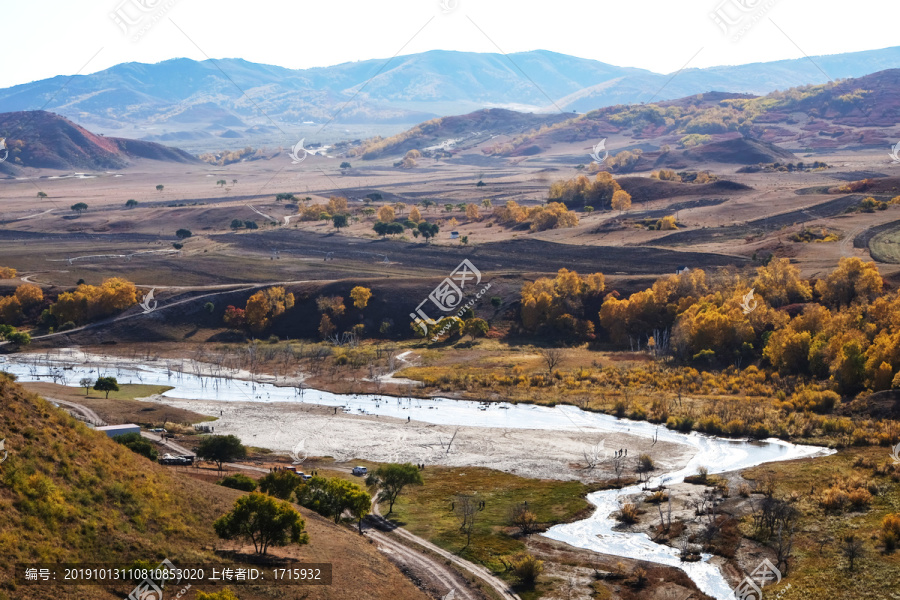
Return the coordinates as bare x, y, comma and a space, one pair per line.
45, 140
190, 99
70, 494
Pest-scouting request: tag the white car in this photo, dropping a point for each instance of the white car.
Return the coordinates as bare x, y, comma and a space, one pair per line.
360, 471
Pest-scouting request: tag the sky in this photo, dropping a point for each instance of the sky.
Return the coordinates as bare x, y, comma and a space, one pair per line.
62, 37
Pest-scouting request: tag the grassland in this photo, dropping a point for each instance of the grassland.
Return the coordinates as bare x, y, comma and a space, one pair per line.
70, 494
819, 569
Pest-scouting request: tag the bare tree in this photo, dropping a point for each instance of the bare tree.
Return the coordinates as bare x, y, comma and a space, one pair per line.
852, 549
523, 519
618, 465
552, 357
466, 509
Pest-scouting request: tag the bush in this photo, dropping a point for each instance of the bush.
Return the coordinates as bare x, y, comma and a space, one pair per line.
645, 463
629, 514
138, 445
239, 481
890, 532
527, 568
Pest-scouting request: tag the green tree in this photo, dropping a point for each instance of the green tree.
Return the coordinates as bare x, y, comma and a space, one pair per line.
183, 233
138, 445
280, 484
41, 195
221, 449
221, 183
263, 520
381, 228
106, 384
79, 207
331, 497
390, 479
339, 221
160, 187
131, 203
346, 165
239, 481
428, 230
475, 327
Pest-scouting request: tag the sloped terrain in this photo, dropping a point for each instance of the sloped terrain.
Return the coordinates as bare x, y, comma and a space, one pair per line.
44, 140
70, 494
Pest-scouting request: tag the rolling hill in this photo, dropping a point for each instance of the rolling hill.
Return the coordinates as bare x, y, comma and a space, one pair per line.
72, 495
44, 140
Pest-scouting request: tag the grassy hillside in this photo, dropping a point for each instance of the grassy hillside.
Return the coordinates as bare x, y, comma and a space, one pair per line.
70, 494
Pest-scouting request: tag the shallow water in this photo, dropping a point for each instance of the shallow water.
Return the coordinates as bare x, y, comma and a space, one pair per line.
594, 533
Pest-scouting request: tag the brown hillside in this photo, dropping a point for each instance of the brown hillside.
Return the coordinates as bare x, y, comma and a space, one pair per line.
41, 139
70, 494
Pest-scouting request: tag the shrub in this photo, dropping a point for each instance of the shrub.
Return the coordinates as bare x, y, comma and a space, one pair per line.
629, 514
645, 463
239, 481
138, 445
890, 532
527, 568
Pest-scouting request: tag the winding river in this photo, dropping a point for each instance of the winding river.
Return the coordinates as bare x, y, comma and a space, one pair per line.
593, 533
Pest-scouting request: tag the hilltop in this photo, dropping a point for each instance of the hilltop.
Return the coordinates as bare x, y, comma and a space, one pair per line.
205, 103
44, 140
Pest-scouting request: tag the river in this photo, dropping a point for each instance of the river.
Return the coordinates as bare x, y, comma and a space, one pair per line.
595, 533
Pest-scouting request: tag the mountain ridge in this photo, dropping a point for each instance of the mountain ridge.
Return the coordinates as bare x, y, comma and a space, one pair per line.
182, 95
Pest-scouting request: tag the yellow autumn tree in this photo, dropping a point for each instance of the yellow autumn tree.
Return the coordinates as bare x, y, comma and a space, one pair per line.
779, 283
852, 280
386, 214
414, 215
29, 295
90, 302
360, 296
337, 205
472, 212
265, 305
621, 200
7, 273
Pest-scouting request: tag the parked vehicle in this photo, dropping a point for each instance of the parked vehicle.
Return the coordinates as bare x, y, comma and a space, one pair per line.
171, 459
360, 470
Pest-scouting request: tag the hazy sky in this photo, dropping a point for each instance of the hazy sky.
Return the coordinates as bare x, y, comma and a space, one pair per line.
43, 38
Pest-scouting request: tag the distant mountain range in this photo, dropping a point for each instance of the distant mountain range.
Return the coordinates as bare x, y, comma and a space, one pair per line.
182, 100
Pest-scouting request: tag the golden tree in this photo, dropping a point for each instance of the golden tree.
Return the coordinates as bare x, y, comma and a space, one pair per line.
472, 212
360, 296
386, 214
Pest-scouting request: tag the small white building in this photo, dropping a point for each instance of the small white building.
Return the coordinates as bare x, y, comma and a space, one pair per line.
454, 235
117, 430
